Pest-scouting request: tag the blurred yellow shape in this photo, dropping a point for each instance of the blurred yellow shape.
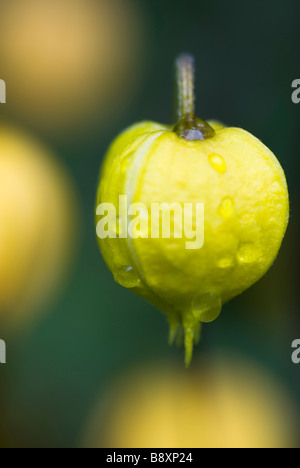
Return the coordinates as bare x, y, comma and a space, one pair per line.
64, 60
225, 404
38, 224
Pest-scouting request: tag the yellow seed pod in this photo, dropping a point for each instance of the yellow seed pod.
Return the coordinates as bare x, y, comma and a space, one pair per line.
38, 225
227, 403
241, 192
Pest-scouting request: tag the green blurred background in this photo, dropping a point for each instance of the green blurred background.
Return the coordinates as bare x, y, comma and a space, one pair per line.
247, 55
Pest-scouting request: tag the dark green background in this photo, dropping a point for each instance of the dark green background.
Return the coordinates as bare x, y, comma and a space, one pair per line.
247, 55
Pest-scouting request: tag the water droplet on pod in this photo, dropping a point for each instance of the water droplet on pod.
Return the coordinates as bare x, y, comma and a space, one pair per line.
207, 307
248, 253
217, 162
127, 277
226, 208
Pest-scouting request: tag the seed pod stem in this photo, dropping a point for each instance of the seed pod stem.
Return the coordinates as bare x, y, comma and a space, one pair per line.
189, 126
185, 76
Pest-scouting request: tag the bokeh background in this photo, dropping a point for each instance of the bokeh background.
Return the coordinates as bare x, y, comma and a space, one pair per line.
88, 362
